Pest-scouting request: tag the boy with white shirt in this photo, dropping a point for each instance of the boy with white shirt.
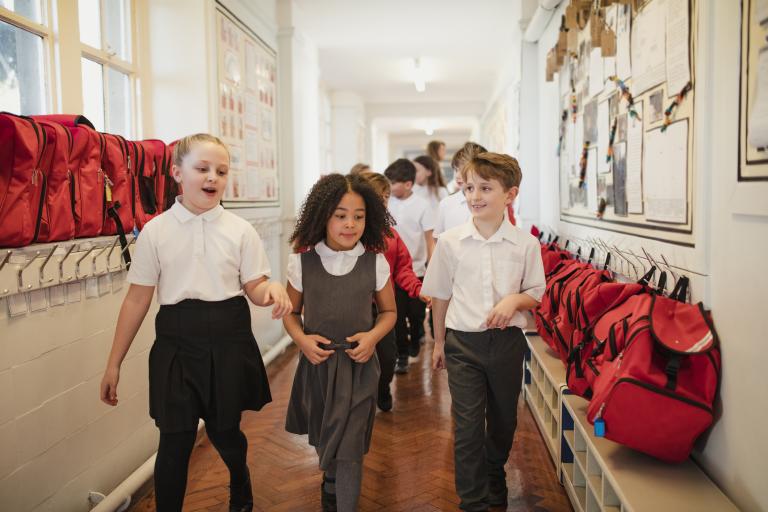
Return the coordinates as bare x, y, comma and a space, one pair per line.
484, 273
415, 222
453, 210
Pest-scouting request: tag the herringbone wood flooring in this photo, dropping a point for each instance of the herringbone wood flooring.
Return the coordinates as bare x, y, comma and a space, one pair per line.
409, 467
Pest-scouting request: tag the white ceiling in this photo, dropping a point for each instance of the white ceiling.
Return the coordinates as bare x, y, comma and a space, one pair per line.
367, 46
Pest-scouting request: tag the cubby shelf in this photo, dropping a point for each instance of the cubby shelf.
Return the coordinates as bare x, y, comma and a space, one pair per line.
600, 475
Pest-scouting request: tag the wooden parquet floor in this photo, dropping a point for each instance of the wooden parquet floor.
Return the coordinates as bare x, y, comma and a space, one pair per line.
409, 467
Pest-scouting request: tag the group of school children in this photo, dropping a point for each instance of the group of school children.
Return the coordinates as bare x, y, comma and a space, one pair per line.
355, 234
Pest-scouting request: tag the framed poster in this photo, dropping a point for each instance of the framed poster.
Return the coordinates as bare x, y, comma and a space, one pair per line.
247, 78
753, 96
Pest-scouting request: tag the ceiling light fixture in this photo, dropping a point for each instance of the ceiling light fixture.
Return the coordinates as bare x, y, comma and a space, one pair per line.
418, 76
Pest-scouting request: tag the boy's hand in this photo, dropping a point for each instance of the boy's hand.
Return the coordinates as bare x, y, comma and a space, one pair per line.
108, 389
277, 295
438, 356
502, 313
426, 300
312, 351
365, 348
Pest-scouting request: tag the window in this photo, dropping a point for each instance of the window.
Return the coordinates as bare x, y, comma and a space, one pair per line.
24, 44
109, 75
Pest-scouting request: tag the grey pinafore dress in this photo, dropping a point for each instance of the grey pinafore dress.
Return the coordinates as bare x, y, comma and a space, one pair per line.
335, 401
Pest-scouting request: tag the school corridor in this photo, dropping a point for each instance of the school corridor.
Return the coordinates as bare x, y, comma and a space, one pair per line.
409, 467
563, 202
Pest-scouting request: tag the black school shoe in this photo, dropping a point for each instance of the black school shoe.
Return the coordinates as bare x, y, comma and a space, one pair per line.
327, 499
497, 492
401, 366
384, 400
241, 498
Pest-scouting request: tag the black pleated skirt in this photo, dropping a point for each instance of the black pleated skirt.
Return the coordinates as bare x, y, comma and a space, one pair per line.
205, 363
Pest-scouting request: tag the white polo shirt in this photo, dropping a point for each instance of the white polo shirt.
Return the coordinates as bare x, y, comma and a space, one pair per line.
432, 199
451, 212
413, 217
475, 273
336, 263
208, 256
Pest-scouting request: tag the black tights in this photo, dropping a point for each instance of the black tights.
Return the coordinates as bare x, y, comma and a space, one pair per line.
172, 464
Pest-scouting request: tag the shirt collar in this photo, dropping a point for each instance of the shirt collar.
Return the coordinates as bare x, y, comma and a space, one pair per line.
323, 250
506, 231
183, 215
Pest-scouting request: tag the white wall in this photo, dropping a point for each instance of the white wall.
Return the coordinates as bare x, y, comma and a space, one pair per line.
731, 240
350, 139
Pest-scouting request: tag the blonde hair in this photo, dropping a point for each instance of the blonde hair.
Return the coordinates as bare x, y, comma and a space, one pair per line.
433, 149
379, 182
184, 145
465, 154
359, 167
494, 166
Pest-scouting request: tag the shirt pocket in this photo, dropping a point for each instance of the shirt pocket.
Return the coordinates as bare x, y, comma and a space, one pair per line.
508, 275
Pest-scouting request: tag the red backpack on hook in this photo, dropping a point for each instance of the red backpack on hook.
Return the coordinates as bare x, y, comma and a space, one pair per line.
90, 207
22, 183
58, 216
657, 395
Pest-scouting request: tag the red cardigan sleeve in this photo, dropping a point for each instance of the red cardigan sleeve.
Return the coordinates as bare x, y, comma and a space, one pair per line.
402, 271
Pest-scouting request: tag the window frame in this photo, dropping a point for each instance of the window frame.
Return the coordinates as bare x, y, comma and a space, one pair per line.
45, 31
110, 59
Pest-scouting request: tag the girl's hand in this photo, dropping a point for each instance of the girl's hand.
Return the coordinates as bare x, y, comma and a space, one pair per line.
426, 300
108, 392
438, 356
311, 350
365, 348
502, 313
277, 295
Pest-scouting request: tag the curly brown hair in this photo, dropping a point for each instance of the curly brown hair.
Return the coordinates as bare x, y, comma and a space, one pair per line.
322, 201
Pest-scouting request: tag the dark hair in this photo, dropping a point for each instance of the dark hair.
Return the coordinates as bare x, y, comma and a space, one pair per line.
433, 148
400, 171
322, 201
435, 180
494, 166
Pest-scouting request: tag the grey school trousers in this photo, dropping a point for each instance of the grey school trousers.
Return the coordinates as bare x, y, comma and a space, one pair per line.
484, 376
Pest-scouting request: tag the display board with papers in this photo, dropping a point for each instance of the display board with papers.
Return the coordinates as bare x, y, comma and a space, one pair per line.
626, 134
753, 130
247, 102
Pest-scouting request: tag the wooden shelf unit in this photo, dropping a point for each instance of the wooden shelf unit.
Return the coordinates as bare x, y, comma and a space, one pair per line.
602, 476
544, 382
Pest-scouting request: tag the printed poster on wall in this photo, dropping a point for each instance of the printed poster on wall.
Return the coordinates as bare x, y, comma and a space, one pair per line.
753, 99
247, 71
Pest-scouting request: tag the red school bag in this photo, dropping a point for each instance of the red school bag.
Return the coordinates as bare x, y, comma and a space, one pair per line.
545, 313
118, 186
158, 156
144, 200
602, 305
58, 216
21, 181
85, 167
657, 395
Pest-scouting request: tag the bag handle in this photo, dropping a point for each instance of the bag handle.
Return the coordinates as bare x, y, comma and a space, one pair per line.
662, 283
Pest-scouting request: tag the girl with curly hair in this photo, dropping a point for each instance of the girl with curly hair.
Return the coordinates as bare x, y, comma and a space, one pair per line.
337, 271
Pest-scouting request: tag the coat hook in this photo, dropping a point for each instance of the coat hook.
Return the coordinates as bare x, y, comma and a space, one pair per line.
96, 255
61, 264
5, 259
22, 269
666, 264
109, 254
79, 261
45, 262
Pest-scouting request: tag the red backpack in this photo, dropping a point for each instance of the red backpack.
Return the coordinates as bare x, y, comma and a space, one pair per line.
551, 255
144, 201
58, 216
600, 305
546, 311
22, 183
158, 157
85, 167
657, 395
118, 186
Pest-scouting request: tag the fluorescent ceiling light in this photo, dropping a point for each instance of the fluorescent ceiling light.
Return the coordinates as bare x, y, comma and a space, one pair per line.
418, 76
